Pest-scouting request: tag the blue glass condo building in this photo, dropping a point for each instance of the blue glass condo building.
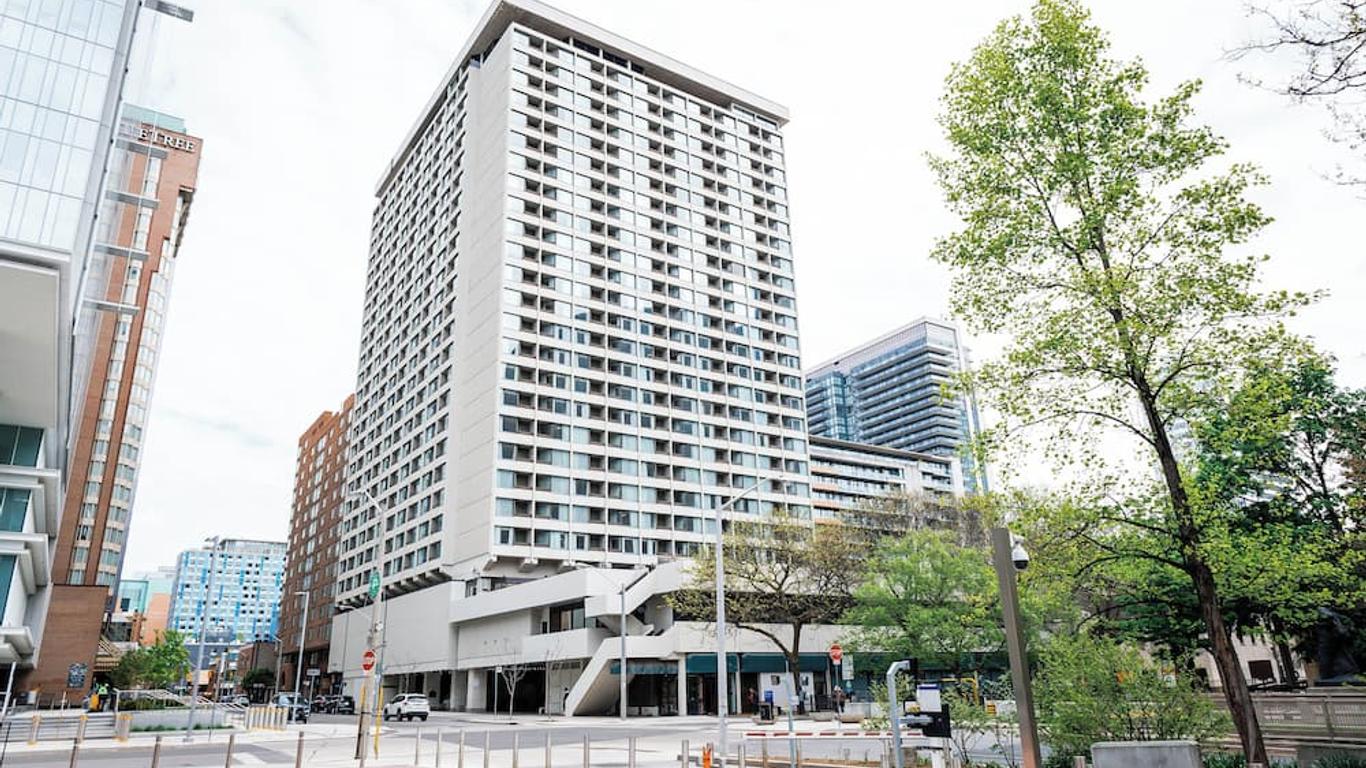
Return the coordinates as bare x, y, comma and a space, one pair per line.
891, 392
244, 603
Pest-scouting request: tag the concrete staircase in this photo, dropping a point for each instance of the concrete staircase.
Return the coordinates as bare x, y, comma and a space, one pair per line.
597, 689
59, 725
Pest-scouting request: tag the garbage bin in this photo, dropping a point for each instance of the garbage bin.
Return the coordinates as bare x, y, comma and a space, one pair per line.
766, 711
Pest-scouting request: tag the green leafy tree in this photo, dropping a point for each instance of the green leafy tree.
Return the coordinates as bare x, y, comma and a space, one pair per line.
1096, 233
1278, 458
155, 666
169, 659
923, 596
131, 669
783, 574
1092, 689
258, 676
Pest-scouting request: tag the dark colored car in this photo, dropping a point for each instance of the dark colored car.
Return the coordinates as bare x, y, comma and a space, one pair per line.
342, 705
298, 708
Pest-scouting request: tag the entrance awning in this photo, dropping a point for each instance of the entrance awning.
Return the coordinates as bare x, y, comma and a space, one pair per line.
705, 663
776, 662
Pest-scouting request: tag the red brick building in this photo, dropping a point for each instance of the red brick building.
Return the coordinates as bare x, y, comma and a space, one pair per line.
319, 475
152, 176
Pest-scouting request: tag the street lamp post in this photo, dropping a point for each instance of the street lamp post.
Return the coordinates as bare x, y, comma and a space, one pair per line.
299, 665
722, 668
213, 542
1009, 557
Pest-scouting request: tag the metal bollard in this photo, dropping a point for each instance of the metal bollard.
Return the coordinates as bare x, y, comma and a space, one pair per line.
33, 727
460, 750
75, 752
547, 749
438, 748
298, 752
515, 750
764, 750
232, 740
683, 755
631, 752
740, 754
587, 752
486, 749
417, 746
80, 728
798, 760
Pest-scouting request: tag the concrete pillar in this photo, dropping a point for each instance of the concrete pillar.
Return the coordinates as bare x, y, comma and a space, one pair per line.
431, 684
459, 680
475, 698
683, 684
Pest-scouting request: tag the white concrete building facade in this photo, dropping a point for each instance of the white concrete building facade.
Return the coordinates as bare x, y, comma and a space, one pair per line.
845, 475
580, 340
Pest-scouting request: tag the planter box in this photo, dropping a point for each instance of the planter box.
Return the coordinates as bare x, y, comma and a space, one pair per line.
177, 717
1146, 754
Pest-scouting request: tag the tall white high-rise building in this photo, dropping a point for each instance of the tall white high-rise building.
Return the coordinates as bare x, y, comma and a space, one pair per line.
580, 327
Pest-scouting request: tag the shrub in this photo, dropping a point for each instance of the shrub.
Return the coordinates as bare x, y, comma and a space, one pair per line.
1339, 761
1093, 689
1236, 760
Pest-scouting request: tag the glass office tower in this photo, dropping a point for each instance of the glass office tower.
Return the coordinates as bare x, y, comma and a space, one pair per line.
61, 76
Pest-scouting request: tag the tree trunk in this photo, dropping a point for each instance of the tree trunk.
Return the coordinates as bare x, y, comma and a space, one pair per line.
794, 657
1288, 672
1234, 684
1289, 675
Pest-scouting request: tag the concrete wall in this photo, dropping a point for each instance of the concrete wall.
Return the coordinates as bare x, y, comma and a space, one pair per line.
495, 640
417, 635
478, 316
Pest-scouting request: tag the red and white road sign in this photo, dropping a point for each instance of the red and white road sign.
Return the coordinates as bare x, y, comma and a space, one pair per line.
367, 660
836, 653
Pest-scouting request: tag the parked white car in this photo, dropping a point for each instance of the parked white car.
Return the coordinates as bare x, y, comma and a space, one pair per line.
407, 706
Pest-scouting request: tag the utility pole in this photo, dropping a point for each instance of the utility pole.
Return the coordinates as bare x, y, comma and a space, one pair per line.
372, 641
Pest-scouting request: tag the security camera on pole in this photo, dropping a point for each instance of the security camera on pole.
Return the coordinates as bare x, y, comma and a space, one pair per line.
1009, 556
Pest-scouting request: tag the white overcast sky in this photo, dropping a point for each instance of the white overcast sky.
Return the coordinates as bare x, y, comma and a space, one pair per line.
300, 104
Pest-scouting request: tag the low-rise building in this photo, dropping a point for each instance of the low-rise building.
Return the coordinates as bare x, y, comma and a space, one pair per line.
847, 476
560, 636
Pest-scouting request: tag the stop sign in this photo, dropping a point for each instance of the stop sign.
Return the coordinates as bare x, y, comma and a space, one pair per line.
836, 653
367, 660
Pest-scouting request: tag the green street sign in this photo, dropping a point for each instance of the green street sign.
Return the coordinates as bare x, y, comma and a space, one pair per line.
374, 584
